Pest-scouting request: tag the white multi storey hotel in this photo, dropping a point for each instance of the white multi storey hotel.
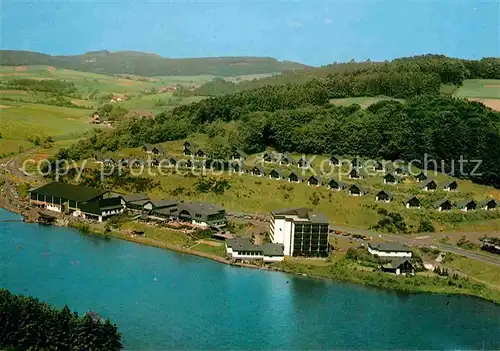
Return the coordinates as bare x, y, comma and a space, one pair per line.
300, 231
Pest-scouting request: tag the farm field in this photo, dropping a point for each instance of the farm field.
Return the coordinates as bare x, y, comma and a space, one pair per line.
252, 194
20, 121
486, 91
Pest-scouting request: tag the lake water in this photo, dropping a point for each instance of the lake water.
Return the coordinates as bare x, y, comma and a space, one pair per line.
195, 303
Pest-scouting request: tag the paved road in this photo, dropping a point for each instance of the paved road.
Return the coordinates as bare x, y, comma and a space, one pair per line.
415, 242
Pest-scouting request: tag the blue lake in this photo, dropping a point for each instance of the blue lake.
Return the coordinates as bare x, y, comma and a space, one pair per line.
195, 303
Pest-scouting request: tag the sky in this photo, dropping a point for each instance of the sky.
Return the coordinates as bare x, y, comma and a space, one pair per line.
311, 32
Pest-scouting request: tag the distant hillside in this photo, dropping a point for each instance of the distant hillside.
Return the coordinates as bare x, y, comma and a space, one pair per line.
144, 64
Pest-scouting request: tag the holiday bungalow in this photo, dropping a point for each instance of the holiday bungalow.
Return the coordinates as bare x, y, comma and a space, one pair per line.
401, 170
190, 149
135, 202
356, 174
303, 163
335, 185
268, 156
384, 196
429, 185
378, 166
391, 179
398, 265
356, 190
258, 171
450, 186
200, 153
467, 205
443, 205
421, 177
389, 250
242, 249
294, 178
315, 181
238, 155
356, 163
488, 204
236, 167
286, 160
412, 202
153, 149
334, 160
276, 174
110, 162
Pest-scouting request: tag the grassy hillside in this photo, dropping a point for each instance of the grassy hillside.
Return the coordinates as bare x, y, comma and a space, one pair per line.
248, 193
144, 64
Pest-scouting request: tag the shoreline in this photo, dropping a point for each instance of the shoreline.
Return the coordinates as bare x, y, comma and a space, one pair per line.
346, 278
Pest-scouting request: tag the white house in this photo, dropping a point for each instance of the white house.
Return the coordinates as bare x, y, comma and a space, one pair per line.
389, 250
243, 249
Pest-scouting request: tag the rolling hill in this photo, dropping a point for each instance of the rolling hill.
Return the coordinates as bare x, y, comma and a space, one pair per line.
145, 64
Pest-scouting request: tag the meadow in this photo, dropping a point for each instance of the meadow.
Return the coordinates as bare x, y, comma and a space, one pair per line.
486, 91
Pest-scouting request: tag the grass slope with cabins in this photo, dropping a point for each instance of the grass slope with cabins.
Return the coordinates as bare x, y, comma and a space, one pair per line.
253, 194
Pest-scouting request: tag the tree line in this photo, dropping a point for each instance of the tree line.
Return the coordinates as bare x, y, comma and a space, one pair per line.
399, 78
28, 324
54, 86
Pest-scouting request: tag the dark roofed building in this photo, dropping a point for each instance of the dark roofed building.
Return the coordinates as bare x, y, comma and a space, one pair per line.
276, 174
135, 201
237, 167
238, 155
335, 185
488, 204
378, 166
443, 205
356, 162
258, 171
384, 196
450, 186
268, 156
315, 181
242, 249
203, 214
412, 202
429, 185
286, 159
356, 190
389, 250
294, 178
64, 197
390, 178
421, 177
333, 160
303, 163
356, 174
100, 209
153, 205
398, 265
467, 205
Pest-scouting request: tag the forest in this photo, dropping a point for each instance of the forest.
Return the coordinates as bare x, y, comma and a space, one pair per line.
28, 324
399, 78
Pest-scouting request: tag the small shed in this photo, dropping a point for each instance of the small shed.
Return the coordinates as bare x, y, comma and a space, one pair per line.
303, 163
429, 185
421, 177
488, 204
258, 171
335, 185
391, 179
276, 174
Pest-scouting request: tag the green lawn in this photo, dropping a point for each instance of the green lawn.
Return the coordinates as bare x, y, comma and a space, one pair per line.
479, 88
